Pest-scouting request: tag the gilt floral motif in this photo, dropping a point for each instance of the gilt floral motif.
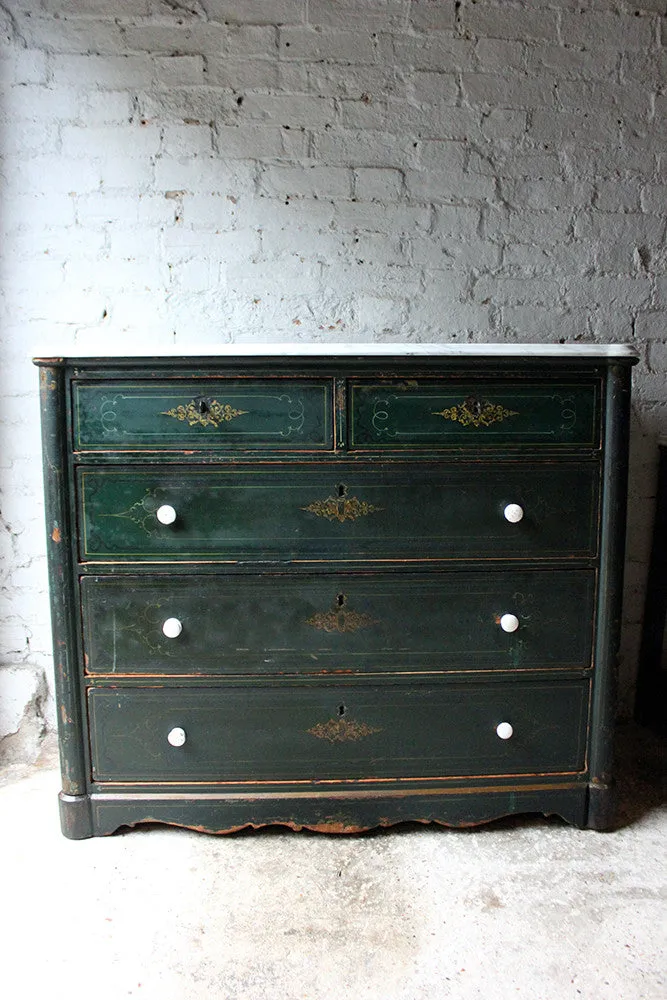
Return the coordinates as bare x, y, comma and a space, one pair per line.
341, 731
472, 413
210, 414
341, 508
340, 620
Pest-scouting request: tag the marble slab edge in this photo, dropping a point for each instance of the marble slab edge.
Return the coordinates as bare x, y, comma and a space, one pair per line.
388, 350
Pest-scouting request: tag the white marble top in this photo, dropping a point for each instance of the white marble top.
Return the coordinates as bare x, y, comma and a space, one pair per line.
317, 349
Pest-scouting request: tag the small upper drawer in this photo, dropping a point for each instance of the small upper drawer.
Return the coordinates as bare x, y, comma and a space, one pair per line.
437, 413
286, 414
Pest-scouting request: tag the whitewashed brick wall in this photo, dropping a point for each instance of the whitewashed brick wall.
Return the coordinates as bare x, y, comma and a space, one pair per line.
207, 171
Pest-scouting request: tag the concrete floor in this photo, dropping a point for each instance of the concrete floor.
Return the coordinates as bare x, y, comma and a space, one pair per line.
524, 907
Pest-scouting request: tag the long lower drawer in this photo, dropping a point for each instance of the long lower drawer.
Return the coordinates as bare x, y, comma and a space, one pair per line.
510, 511
296, 732
365, 623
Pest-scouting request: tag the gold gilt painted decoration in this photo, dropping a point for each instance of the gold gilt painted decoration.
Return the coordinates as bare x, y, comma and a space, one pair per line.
475, 413
340, 618
142, 513
204, 413
341, 508
342, 731
148, 629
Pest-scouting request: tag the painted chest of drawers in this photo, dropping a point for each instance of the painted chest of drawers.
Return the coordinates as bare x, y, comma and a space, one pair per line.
335, 590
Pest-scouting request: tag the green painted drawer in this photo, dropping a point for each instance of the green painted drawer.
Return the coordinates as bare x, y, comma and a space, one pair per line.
279, 413
314, 625
437, 413
292, 732
293, 513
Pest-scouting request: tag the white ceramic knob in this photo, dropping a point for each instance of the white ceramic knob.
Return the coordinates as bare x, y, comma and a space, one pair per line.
172, 628
508, 623
166, 514
176, 737
504, 730
513, 513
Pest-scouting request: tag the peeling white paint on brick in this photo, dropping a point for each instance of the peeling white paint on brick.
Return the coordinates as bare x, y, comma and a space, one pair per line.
360, 170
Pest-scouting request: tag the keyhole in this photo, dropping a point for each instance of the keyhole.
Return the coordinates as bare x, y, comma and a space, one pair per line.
473, 406
203, 407
340, 600
341, 711
342, 490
